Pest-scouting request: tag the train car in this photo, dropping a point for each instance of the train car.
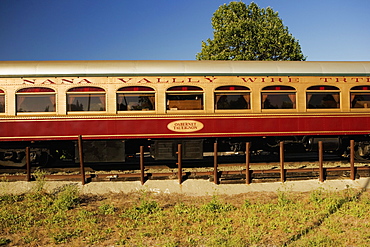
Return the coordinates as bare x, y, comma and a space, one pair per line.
117, 106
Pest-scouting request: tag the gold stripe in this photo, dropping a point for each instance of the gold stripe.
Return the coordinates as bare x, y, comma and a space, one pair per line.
205, 117
246, 134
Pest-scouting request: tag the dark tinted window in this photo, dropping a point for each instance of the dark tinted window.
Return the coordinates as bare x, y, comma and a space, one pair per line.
86, 99
36, 99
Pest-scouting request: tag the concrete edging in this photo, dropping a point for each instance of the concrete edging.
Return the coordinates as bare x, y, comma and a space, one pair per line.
193, 187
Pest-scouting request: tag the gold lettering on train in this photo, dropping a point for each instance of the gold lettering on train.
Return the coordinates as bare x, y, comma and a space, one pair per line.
144, 80
160, 80
276, 79
271, 79
29, 81
357, 79
326, 79
294, 79
67, 81
190, 80
123, 80
174, 80
341, 79
84, 81
48, 81
210, 79
196, 79
249, 79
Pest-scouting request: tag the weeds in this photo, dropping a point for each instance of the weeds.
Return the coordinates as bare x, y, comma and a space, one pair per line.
144, 208
67, 197
215, 206
40, 181
283, 199
4, 241
65, 236
319, 218
107, 209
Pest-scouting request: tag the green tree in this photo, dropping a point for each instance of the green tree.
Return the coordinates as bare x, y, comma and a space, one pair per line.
248, 32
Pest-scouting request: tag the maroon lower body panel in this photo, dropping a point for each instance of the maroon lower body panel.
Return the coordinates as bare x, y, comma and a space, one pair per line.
179, 127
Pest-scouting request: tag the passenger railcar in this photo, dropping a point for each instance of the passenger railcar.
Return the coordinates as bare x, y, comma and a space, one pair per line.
117, 106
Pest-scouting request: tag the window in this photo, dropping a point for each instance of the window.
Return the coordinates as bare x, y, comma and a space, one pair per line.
135, 99
232, 97
360, 97
323, 97
35, 99
86, 99
184, 98
278, 97
2, 101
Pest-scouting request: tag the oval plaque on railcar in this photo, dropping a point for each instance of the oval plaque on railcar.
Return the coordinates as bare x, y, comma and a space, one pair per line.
185, 126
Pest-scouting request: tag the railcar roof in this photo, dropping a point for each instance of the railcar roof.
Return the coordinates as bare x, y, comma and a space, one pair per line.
178, 68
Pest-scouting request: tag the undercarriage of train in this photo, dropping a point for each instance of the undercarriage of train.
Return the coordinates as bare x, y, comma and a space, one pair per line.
42, 153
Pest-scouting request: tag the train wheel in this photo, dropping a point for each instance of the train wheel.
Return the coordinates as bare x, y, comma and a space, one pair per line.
362, 152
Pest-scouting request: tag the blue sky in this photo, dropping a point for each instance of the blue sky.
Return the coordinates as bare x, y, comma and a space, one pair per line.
328, 30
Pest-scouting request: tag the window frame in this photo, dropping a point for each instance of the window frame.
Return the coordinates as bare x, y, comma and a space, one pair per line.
2, 100
323, 89
86, 90
136, 91
279, 90
364, 89
185, 91
236, 90
35, 92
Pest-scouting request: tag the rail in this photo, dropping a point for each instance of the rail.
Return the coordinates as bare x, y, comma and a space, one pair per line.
214, 175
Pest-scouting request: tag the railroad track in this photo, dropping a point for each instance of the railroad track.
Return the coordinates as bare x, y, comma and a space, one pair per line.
219, 173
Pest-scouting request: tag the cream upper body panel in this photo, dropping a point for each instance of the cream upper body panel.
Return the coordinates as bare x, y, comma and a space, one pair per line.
204, 68
161, 76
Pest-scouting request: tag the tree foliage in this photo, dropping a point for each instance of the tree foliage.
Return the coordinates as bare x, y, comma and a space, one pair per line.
248, 32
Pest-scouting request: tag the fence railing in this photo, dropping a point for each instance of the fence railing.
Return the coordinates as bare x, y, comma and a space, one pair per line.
216, 173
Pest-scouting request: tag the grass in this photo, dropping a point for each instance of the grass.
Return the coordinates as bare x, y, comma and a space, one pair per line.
67, 218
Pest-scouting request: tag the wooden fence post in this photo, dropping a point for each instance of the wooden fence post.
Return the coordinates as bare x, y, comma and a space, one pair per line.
282, 170
215, 161
28, 164
321, 160
352, 159
179, 162
142, 179
247, 163
82, 167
